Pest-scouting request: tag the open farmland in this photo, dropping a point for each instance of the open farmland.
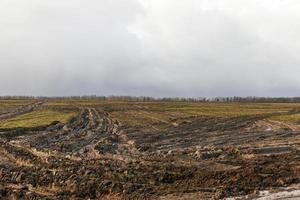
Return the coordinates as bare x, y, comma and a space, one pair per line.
80, 149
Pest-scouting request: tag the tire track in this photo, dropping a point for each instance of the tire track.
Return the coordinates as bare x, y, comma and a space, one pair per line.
21, 110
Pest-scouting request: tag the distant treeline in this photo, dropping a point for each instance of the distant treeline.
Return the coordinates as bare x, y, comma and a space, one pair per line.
164, 99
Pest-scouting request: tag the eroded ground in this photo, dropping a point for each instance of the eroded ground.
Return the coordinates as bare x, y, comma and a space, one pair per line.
132, 150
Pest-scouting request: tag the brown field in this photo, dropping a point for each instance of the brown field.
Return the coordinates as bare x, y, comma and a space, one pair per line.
91, 149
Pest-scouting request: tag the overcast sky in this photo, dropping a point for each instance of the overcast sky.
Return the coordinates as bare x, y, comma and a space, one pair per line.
155, 48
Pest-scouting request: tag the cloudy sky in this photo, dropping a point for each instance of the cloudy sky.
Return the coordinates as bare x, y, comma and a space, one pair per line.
156, 48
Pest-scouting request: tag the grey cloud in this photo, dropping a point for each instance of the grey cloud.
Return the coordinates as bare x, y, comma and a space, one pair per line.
150, 47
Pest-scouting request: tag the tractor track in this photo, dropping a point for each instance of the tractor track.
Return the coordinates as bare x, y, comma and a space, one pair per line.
21, 110
94, 155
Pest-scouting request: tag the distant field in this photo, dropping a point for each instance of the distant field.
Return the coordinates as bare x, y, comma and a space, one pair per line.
7, 105
43, 115
13, 103
37, 118
142, 113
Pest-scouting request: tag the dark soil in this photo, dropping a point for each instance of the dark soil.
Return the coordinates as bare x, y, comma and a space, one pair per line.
94, 156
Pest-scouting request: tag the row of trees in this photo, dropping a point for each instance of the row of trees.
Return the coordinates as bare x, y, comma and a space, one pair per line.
166, 99
257, 99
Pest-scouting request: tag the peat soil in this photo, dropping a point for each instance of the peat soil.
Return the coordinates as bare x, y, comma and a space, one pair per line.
94, 156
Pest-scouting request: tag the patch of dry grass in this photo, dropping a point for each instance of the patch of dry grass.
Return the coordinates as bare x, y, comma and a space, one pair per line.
295, 118
6, 105
37, 118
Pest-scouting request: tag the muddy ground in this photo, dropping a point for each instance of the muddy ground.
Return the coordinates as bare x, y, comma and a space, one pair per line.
96, 156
